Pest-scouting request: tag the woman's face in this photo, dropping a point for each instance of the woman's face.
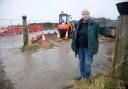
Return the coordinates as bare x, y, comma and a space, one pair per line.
85, 15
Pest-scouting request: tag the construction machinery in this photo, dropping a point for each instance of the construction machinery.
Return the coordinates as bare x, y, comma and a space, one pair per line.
65, 28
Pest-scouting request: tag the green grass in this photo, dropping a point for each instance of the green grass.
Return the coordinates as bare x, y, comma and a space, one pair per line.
35, 46
102, 82
30, 47
48, 45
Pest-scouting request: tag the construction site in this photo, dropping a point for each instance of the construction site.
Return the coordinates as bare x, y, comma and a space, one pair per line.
37, 54
47, 62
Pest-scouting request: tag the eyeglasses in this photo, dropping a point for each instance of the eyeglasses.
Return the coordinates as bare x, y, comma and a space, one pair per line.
85, 14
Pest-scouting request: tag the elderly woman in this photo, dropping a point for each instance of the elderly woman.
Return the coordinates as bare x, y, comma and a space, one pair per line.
85, 42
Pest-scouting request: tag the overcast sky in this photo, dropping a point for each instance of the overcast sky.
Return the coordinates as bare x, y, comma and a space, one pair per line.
48, 10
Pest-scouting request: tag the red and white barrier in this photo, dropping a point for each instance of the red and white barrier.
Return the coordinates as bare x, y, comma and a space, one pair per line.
43, 39
58, 39
66, 36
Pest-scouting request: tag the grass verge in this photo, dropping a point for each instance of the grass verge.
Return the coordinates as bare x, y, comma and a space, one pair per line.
101, 82
35, 46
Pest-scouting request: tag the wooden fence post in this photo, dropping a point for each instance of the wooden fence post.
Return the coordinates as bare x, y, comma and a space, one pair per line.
120, 60
25, 31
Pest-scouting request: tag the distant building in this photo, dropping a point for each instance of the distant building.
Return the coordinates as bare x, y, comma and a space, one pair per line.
112, 24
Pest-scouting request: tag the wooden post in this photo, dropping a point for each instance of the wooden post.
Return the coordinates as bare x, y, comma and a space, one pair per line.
120, 60
25, 31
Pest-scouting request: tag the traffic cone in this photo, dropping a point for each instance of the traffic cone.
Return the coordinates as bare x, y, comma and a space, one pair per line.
33, 39
58, 37
43, 39
37, 36
66, 36
41, 34
49, 32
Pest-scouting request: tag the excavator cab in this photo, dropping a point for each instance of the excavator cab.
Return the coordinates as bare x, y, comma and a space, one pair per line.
63, 18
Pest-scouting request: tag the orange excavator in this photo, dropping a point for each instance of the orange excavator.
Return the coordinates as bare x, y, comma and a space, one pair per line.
64, 27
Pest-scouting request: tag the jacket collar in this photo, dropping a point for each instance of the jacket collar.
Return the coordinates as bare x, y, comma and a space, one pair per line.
91, 20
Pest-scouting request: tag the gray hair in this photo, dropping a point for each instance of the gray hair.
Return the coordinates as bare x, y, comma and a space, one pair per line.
86, 11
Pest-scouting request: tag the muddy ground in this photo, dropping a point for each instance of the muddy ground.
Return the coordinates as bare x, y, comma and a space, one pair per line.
44, 69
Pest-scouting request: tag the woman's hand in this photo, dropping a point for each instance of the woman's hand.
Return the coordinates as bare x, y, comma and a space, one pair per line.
113, 33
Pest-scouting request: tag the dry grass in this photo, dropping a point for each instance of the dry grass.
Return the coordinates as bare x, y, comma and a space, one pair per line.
102, 82
35, 46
